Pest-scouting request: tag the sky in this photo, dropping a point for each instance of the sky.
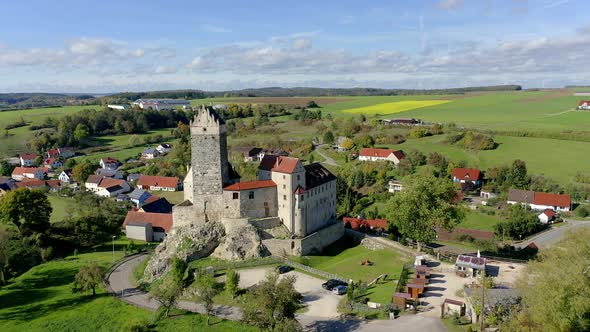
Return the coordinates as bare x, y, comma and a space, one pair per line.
137, 45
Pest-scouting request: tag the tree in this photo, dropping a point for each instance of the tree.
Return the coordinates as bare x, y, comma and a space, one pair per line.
347, 144
88, 278
232, 280
521, 223
29, 210
81, 132
70, 163
328, 137
166, 292
518, 174
555, 288
312, 104
5, 168
82, 171
365, 141
206, 290
273, 303
426, 204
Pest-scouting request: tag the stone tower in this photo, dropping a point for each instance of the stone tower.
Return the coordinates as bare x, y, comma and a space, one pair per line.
209, 170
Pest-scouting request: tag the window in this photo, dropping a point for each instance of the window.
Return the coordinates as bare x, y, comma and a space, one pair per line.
265, 204
251, 195
235, 195
302, 199
298, 177
284, 186
284, 197
284, 176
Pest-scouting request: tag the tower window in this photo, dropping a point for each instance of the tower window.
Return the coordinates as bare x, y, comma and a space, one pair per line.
235, 195
298, 177
251, 195
284, 197
302, 199
284, 186
204, 129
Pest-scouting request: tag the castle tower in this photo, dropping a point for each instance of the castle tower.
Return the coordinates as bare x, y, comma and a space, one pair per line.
209, 170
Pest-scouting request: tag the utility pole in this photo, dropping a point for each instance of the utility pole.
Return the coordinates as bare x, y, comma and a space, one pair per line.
483, 299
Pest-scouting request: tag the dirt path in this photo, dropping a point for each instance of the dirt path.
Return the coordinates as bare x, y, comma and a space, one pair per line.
327, 160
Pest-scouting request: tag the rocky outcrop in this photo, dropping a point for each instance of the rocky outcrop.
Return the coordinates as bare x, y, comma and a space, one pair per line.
187, 243
371, 244
241, 242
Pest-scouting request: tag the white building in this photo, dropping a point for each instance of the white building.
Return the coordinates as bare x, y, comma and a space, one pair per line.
66, 176
371, 154
28, 159
118, 107
395, 186
161, 104
164, 148
147, 226
21, 173
540, 201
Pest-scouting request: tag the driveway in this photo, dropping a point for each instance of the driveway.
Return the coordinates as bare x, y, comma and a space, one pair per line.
328, 160
552, 236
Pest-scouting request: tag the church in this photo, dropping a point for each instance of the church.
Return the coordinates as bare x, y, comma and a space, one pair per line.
287, 193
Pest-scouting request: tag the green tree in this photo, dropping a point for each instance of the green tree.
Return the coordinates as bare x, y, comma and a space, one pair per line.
29, 210
81, 132
426, 204
232, 280
273, 303
328, 137
88, 278
5, 168
166, 292
312, 104
82, 171
70, 163
206, 289
518, 174
347, 144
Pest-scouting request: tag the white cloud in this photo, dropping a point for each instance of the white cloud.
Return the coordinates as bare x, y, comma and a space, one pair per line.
165, 70
302, 44
450, 4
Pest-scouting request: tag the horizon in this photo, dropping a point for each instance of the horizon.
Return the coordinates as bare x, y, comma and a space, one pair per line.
113, 47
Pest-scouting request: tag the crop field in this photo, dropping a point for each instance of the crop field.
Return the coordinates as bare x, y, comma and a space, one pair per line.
292, 101
395, 107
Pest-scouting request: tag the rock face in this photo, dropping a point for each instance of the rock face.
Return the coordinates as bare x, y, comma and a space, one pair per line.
241, 242
371, 245
187, 243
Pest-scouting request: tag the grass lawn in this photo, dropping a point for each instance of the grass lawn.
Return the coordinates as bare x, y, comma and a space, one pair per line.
174, 197
60, 206
480, 221
41, 300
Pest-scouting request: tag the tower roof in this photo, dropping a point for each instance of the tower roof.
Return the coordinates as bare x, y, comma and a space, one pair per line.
207, 116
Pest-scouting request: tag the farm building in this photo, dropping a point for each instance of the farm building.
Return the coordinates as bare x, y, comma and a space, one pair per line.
395, 186
21, 173
584, 105
467, 175
365, 224
161, 104
146, 226
401, 121
28, 159
162, 183
493, 297
372, 154
547, 216
540, 201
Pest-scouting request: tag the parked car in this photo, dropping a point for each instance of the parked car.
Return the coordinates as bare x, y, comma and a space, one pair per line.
340, 290
330, 284
284, 269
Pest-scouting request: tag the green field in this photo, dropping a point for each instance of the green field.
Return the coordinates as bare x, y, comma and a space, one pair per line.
395, 107
60, 206
480, 221
42, 300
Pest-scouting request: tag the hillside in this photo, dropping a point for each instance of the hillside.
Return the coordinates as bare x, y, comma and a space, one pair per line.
36, 100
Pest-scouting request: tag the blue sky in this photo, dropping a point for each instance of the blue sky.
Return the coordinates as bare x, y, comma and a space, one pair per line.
108, 46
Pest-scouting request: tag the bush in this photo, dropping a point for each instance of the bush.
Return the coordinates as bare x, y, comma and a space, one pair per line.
582, 211
418, 132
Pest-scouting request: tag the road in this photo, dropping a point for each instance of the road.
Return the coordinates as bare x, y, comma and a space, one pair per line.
328, 160
326, 319
552, 236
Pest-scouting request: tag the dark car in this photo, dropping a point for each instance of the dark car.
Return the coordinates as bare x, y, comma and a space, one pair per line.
330, 284
284, 269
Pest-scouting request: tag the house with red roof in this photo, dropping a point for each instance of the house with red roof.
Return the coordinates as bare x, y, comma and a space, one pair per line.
160, 183
53, 163
256, 199
365, 224
28, 159
547, 216
109, 163
467, 175
584, 105
21, 173
147, 226
540, 201
373, 154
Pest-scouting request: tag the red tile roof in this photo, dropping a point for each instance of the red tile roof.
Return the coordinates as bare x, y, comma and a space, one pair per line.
399, 154
157, 181
94, 179
371, 152
28, 156
53, 153
30, 183
587, 102
356, 223
53, 183
110, 182
248, 185
285, 164
28, 170
552, 200
466, 173
549, 213
299, 190
151, 199
162, 220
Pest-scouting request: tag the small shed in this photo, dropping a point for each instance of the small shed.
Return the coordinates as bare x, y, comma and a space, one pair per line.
401, 300
422, 272
469, 266
415, 289
450, 306
421, 281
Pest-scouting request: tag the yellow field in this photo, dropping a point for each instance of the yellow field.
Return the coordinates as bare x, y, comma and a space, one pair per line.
395, 107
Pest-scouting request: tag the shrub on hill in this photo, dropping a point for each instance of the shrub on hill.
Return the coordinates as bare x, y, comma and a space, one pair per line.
473, 141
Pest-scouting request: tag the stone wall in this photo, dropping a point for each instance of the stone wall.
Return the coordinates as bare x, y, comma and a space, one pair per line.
262, 205
266, 223
320, 206
317, 241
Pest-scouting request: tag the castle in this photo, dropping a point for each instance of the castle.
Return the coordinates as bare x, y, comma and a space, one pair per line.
289, 194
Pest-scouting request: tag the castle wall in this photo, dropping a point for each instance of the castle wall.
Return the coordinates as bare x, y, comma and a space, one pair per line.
320, 203
263, 203
319, 240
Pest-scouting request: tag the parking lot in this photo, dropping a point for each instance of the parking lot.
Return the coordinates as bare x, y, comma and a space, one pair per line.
320, 302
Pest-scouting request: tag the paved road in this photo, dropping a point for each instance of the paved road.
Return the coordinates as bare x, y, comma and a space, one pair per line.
328, 160
407, 322
552, 236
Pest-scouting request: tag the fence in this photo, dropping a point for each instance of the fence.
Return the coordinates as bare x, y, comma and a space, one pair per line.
270, 260
315, 271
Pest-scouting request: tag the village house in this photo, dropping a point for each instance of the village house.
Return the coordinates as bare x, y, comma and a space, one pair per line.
164, 148
395, 186
53, 185
60, 152
28, 159
400, 121
339, 142
584, 105
365, 224
108, 187
21, 173
157, 205
162, 183
66, 176
467, 175
53, 163
540, 201
493, 297
92, 182
139, 196
250, 153
109, 163
484, 193
372, 154
32, 184
547, 216
109, 173
147, 226
469, 266
6, 184
150, 153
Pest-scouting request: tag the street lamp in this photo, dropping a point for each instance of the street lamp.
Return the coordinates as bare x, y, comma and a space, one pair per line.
114, 236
